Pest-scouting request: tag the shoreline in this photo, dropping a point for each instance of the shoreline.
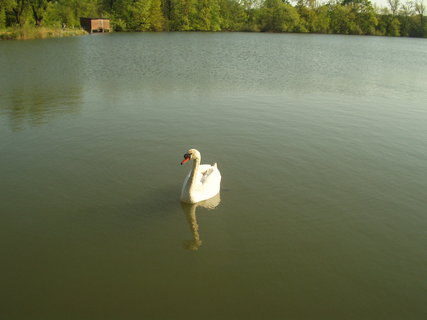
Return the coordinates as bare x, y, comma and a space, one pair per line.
30, 33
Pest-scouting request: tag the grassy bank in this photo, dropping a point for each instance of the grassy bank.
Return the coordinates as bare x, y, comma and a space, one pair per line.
27, 32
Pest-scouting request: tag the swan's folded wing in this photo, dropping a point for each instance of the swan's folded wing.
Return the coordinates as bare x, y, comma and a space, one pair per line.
208, 181
211, 176
206, 174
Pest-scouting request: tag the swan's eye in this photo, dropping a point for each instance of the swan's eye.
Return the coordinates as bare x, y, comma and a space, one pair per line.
187, 156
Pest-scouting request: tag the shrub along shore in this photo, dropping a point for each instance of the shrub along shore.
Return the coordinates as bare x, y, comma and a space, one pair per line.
30, 32
27, 19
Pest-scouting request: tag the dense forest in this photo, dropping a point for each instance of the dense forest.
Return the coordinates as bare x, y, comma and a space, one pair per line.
358, 17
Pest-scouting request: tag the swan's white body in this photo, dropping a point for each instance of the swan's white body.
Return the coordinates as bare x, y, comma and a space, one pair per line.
202, 182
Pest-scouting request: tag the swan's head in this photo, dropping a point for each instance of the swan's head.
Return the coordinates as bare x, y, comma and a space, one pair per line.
191, 154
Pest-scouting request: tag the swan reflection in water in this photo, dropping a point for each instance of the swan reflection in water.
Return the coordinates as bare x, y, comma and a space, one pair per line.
190, 213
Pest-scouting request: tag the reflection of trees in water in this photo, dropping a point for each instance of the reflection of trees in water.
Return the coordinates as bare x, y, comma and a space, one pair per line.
36, 105
190, 213
41, 80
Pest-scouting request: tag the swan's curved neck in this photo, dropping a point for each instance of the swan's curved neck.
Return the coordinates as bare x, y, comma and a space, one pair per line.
196, 164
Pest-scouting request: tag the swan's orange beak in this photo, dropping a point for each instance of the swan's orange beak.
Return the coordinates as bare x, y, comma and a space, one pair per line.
187, 157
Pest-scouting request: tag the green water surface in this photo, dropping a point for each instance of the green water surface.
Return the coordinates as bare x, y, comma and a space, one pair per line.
322, 146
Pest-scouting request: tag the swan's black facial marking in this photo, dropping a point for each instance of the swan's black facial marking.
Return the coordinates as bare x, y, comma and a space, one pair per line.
187, 157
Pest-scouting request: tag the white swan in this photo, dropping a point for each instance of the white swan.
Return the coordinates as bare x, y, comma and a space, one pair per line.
202, 182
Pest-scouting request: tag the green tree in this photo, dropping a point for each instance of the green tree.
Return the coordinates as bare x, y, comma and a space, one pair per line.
405, 18
5, 6
208, 16
119, 12
307, 16
363, 15
276, 16
140, 19
339, 18
38, 8
19, 8
233, 15
157, 17
388, 25
322, 20
420, 10
183, 13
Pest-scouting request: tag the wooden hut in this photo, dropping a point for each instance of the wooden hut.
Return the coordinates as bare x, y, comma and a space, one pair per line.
95, 24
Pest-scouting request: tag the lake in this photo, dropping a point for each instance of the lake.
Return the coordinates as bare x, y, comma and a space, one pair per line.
321, 141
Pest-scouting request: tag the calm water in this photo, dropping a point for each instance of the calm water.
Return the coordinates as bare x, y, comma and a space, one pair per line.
321, 142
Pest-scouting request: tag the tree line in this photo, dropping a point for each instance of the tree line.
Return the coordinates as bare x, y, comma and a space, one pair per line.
357, 17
